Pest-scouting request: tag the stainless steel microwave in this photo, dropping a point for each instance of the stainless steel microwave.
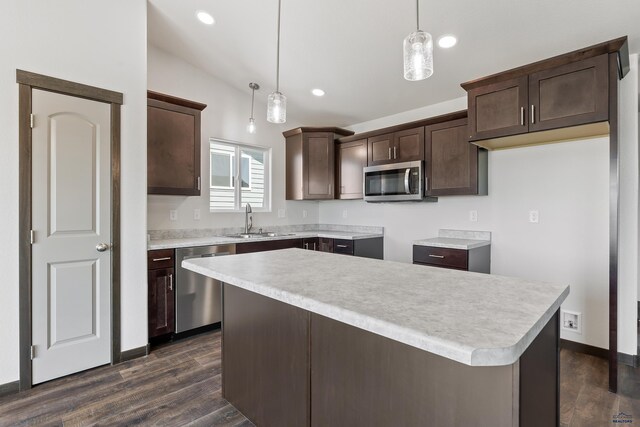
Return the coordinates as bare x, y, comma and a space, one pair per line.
394, 182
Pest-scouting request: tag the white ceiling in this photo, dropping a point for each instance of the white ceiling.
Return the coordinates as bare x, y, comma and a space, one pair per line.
353, 48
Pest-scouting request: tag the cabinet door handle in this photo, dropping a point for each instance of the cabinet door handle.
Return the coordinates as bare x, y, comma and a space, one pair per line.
170, 282
389, 153
341, 246
306, 246
162, 259
314, 246
521, 116
533, 114
436, 256
394, 153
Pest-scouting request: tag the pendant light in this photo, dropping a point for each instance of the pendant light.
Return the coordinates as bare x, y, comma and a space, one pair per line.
251, 127
277, 102
418, 52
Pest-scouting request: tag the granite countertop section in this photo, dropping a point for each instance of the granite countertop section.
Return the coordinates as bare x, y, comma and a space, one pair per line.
452, 243
472, 318
457, 239
186, 242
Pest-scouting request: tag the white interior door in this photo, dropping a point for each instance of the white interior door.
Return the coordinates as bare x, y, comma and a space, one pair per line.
71, 218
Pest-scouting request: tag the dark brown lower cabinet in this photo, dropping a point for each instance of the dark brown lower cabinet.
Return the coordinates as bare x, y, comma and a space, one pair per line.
325, 244
310, 243
160, 301
265, 358
268, 245
476, 259
284, 366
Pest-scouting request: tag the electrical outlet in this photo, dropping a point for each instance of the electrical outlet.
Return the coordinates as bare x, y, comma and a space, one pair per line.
534, 217
571, 321
344, 213
196, 214
304, 213
473, 216
173, 215
281, 213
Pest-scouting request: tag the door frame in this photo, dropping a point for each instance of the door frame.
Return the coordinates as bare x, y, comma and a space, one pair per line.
27, 81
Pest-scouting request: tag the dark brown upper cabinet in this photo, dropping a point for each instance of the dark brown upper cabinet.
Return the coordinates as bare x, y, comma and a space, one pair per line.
351, 158
498, 109
453, 166
401, 146
310, 162
570, 95
173, 145
567, 96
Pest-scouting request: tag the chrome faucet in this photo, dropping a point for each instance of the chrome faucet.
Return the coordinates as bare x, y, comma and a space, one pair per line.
248, 219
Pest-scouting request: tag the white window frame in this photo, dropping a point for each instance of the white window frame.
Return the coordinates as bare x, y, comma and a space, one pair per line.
238, 188
231, 159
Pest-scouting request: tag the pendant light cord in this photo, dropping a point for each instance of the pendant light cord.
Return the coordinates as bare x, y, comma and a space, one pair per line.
278, 54
253, 93
417, 15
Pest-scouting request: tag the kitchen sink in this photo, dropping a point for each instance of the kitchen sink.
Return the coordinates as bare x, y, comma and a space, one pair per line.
255, 235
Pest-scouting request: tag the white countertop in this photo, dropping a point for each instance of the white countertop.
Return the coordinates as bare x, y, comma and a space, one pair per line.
475, 319
223, 240
452, 243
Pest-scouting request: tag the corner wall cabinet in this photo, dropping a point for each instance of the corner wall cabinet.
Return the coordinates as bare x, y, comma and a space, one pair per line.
173, 145
161, 292
310, 162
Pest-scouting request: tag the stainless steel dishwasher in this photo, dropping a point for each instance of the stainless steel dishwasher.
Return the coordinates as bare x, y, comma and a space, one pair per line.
198, 298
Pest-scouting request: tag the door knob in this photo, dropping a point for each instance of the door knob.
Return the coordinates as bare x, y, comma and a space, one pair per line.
101, 247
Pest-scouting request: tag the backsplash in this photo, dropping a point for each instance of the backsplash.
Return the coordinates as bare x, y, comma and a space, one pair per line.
204, 232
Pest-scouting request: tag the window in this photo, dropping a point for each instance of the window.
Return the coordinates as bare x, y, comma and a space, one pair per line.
254, 177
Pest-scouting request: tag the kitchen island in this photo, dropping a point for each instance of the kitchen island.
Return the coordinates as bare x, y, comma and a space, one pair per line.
312, 338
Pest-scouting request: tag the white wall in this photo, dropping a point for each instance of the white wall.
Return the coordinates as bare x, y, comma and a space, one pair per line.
96, 43
225, 117
568, 183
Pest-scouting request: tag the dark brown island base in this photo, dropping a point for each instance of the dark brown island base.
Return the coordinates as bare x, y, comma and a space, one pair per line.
357, 352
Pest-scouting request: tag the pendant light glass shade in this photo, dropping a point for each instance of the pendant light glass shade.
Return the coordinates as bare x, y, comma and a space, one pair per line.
277, 108
251, 127
418, 56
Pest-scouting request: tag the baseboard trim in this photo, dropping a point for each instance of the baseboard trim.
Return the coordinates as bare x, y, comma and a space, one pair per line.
9, 388
603, 353
629, 360
134, 353
591, 350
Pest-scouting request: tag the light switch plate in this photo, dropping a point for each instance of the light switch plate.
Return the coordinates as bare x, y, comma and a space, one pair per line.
304, 213
534, 217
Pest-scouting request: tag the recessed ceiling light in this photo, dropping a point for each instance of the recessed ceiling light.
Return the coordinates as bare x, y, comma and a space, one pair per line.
317, 92
205, 17
447, 41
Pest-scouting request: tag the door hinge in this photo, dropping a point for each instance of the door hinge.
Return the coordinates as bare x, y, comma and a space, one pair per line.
31, 120
32, 237
33, 352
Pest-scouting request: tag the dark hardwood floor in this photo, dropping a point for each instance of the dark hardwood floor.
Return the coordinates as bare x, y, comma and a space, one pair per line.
585, 400
179, 384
